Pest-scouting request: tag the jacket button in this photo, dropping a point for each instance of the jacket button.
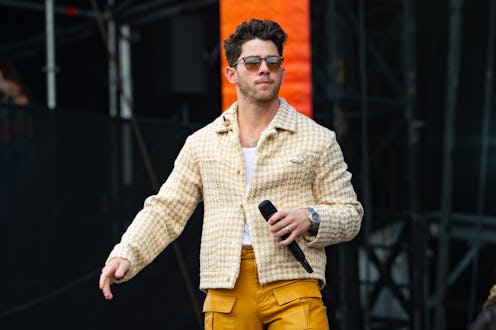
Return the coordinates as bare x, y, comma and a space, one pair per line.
238, 171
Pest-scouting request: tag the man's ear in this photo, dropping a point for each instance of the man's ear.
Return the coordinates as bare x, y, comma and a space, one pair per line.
230, 74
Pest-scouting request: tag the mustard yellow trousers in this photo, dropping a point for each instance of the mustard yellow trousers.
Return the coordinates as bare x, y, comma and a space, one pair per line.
282, 305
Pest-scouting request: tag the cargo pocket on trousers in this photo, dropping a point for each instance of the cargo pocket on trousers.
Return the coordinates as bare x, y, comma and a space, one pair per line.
217, 309
301, 306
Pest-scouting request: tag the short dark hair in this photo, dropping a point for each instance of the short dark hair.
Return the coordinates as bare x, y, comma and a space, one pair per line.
254, 29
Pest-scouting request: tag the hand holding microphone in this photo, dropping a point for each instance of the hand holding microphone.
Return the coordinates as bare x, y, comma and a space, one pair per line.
268, 209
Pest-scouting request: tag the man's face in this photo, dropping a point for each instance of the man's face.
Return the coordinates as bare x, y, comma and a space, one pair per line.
259, 85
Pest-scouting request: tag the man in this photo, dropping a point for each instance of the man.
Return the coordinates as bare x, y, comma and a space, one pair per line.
486, 319
260, 148
11, 91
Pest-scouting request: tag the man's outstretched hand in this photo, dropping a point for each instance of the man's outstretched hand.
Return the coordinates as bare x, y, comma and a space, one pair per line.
115, 269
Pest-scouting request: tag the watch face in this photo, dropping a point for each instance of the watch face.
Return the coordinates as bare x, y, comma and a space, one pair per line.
314, 218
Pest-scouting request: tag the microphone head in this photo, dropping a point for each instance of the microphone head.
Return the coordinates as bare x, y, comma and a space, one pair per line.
267, 209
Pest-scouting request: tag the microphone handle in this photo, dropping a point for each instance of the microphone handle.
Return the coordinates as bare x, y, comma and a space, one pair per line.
268, 209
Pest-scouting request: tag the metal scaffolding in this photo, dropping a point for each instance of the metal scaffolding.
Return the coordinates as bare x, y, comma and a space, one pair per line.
417, 303
369, 77
394, 102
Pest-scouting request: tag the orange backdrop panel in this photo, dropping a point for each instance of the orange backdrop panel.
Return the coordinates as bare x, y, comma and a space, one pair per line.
294, 18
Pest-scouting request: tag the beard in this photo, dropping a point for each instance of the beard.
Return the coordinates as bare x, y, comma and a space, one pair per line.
258, 94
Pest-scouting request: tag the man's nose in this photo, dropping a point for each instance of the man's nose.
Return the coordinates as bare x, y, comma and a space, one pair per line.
263, 67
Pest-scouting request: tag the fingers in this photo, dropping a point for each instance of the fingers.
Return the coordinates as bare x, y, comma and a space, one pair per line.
122, 269
288, 224
114, 270
286, 240
105, 280
280, 224
105, 287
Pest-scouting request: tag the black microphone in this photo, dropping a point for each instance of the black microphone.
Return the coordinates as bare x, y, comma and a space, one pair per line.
268, 209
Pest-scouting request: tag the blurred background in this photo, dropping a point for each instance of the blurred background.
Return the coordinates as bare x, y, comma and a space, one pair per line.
406, 85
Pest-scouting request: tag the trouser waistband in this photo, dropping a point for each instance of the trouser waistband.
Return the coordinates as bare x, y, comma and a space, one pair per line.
247, 252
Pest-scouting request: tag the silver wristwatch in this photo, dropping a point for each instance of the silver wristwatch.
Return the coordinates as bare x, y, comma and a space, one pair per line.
314, 219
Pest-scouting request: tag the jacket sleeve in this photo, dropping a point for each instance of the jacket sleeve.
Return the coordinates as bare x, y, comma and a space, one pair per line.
163, 216
336, 201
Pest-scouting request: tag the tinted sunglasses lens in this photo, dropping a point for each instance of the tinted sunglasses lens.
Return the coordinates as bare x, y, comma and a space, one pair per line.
252, 62
273, 62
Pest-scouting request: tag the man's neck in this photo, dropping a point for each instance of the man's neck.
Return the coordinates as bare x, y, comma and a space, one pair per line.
253, 119
256, 116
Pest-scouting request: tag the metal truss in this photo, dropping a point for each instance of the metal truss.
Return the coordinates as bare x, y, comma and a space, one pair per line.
368, 60
454, 226
131, 13
372, 79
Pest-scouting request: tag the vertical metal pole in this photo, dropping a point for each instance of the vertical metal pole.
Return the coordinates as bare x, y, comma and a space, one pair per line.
331, 37
346, 288
365, 153
417, 225
454, 50
50, 54
486, 115
333, 91
126, 103
112, 74
485, 139
114, 124
410, 91
125, 71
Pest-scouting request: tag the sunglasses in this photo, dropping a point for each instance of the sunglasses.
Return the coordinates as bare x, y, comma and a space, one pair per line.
253, 62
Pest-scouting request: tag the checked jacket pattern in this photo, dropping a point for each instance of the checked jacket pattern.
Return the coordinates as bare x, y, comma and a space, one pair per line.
298, 163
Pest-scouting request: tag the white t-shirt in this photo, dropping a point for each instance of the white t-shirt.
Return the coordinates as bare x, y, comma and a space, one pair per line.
249, 154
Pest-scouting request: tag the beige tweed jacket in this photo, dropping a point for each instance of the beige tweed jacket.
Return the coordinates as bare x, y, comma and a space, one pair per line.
298, 163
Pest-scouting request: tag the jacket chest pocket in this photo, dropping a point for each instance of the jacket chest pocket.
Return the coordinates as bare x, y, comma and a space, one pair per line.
294, 170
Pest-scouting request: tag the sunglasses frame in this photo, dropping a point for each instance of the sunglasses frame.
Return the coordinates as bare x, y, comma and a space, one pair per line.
256, 66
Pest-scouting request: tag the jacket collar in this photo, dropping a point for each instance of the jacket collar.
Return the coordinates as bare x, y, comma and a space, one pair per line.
285, 118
